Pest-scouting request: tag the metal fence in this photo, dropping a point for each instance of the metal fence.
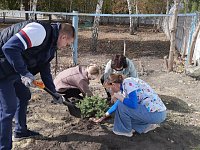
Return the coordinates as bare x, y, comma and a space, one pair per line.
185, 27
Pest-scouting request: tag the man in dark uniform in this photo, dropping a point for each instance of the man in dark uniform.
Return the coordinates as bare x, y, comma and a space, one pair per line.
26, 49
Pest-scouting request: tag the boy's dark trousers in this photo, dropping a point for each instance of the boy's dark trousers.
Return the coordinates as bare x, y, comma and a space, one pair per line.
14, 96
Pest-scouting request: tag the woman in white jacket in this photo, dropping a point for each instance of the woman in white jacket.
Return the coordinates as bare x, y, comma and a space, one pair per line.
121, 65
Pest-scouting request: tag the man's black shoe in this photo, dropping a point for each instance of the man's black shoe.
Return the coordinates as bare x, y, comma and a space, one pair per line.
25, 135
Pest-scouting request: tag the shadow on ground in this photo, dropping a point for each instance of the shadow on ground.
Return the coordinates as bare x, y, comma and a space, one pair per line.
168, 136
176, 104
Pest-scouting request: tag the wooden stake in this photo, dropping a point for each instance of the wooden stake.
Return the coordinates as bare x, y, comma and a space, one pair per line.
124, 47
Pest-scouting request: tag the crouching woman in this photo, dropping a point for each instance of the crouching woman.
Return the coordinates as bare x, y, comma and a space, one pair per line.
75, 80
137, 107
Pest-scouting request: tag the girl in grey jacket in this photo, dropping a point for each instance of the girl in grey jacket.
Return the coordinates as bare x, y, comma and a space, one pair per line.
119, 64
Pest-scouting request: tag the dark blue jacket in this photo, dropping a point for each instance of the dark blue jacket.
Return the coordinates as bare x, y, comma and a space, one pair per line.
34, 59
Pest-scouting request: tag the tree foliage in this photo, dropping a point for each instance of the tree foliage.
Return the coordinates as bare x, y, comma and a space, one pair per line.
119, 6
109, 6
193, 5
9, 4
152, 6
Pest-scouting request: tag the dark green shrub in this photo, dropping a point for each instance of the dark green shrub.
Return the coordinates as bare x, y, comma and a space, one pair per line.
93, 106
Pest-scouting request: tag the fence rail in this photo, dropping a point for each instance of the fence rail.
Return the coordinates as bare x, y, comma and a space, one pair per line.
185, 27
93, 15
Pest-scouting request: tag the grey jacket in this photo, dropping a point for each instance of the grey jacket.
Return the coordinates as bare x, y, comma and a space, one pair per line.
130, 71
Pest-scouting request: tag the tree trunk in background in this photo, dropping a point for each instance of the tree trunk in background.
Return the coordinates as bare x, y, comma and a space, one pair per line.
136, 20
167, 20
34, 5
21, 6
131, 29
96, 26
70, 8
26, 6
184, 38
159, 24
186, 6
172, 37
194, 38
167, 8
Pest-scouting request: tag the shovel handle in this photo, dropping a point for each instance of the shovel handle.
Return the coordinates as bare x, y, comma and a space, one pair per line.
39, 84
74, 111
42, 86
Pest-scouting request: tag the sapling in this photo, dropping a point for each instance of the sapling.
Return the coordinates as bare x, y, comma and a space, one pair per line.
93, 106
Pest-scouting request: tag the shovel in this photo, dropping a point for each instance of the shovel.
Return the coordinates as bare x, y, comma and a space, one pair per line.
73, 110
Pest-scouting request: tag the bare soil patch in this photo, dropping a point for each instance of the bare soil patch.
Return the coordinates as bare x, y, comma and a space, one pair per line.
179, 92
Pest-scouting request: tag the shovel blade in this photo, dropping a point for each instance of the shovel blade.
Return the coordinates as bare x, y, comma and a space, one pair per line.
73, 110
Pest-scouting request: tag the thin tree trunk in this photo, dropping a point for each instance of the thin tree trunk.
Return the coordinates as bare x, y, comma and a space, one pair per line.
172, 37
136, 22
26, 6
21, 6
34, 5
167, 8
167, 20
155, 24
131, 29
194, 38
186, 6
96, 26
159, 25
185, 37
70, 8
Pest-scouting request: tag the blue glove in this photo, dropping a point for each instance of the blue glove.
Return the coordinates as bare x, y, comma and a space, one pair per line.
27, 79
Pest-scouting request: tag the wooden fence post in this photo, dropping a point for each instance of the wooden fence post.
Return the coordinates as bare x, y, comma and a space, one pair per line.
49, 18
4, 17
35, 16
